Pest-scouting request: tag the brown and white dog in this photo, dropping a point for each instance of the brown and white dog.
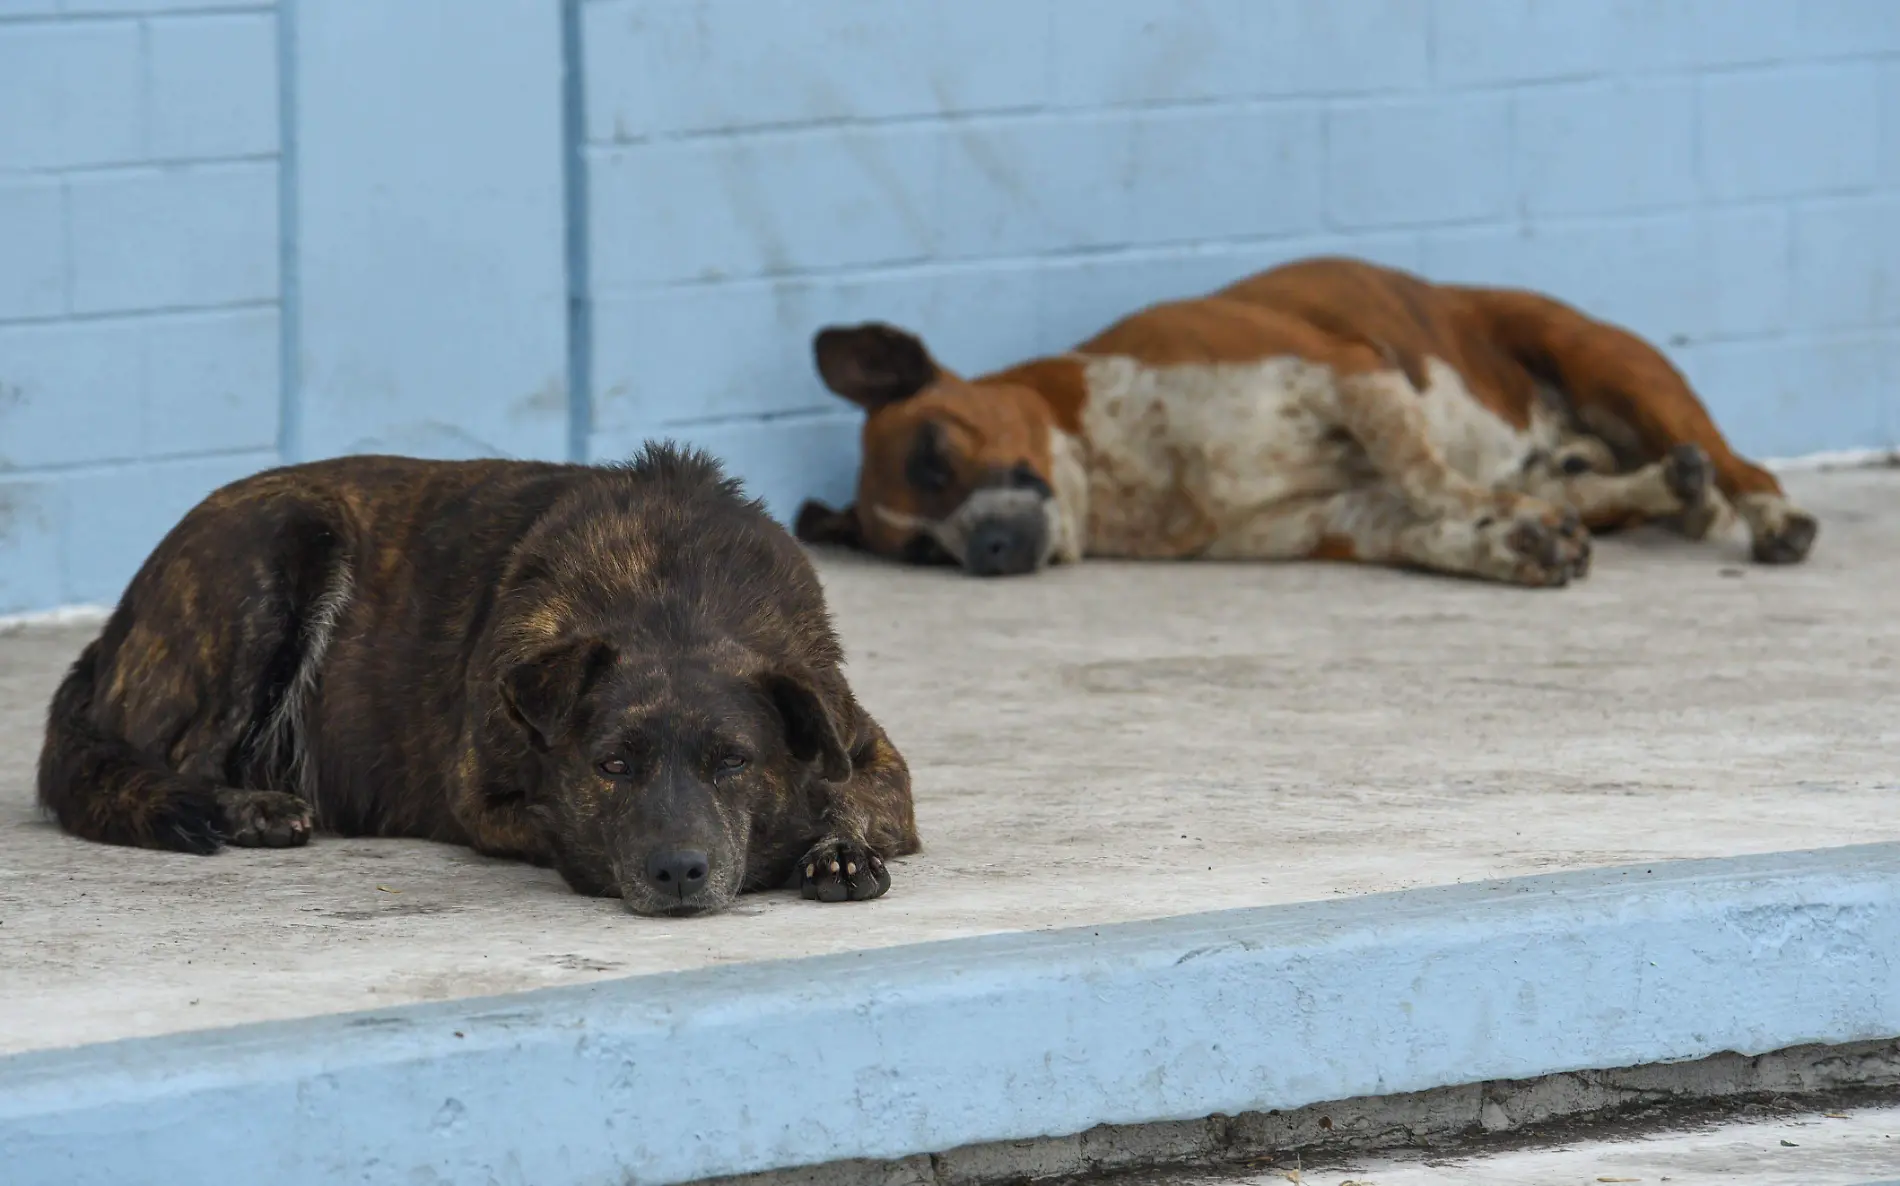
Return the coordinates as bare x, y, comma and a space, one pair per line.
1326, 409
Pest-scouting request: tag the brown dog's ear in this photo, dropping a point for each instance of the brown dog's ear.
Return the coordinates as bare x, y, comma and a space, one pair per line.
819, 524
873, 364
542, 691
810, 731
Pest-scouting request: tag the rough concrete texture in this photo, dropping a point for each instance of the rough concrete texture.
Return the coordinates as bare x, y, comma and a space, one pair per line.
1859, 1146
1455, 1123
1096, 744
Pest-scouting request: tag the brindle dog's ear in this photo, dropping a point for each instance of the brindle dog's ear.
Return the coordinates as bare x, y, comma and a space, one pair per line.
810, 732
542, 692
873, 364
819, 524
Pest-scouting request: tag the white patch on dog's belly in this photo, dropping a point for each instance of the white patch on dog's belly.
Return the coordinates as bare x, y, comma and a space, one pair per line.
1182, 457
1474, 440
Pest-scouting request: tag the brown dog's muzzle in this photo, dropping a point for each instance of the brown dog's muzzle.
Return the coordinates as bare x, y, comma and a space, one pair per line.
1009, 543
1004, 524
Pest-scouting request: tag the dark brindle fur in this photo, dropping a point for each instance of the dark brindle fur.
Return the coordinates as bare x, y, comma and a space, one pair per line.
625, 672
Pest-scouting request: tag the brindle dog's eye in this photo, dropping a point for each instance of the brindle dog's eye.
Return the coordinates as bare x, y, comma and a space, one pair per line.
732, 764
614, 768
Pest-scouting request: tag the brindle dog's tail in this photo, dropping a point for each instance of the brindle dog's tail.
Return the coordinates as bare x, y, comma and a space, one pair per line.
104, 788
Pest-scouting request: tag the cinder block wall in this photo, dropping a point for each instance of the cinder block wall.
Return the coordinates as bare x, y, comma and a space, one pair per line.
554, 230
139, 280
1009, 175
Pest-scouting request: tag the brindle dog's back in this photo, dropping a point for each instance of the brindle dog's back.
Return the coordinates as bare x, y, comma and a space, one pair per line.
253, 607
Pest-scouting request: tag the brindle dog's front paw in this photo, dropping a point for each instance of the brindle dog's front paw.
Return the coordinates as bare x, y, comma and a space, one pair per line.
842, 871
264, 819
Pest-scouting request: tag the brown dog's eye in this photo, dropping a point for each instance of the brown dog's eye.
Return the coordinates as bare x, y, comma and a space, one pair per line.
927, 467
614, 768
732, 764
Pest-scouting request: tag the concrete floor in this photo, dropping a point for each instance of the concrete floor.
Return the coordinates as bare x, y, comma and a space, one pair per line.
1097, 744
1860, 1147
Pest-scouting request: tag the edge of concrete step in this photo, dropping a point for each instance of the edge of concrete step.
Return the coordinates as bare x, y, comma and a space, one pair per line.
1468, 1119
886, 1055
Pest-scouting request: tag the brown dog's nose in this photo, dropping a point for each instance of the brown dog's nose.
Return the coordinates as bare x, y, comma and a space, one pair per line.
679, 871
1004, 547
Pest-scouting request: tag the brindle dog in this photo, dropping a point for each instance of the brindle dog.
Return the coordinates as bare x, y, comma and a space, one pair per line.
627, 672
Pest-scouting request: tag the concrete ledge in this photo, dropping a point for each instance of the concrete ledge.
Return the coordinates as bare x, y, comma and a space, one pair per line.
1467, 1119
887, 1054
1832, 460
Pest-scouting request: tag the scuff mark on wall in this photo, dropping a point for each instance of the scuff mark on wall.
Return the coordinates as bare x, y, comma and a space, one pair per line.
549, 399
429, 439
12, 395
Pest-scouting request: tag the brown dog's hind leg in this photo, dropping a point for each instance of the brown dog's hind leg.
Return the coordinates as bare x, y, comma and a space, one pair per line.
1623, 390
1582, 476
1381, 410
1379, 525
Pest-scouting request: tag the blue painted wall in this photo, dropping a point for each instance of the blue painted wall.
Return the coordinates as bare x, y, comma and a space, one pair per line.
234, 233
139, 282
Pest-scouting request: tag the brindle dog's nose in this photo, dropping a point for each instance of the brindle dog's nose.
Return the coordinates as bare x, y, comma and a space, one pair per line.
1002, 547
679, 871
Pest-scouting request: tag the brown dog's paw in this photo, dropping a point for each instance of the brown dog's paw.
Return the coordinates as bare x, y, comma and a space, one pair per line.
817, 523
842, 871
265, 819
1542, 546
1689, 475
1790, 542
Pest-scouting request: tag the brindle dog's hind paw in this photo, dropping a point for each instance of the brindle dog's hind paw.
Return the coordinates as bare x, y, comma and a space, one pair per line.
842, 871
265, 819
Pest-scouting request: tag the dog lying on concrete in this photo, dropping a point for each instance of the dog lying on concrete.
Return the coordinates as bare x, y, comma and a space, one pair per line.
1327, 409
626, 672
